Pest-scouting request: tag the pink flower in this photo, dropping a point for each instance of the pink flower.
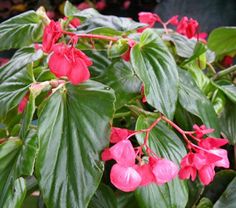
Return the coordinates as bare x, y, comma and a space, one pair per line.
224, 161
74, 23
144, 99
101, 5
200, 131
123, 153
145, 171
211, 142
51, 34
70, 62
206, 174
126, 4
126, 55
164, 170
23, 103
119, 134
187, 27
106, 154
125, 178
3, 61
148, 18
173, 20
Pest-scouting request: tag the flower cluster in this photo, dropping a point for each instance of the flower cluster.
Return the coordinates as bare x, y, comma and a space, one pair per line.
140, 166
187, 27
65, 60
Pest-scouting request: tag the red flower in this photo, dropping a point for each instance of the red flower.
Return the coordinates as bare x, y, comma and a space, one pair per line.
187, 27
74, 23
200, 131
70, 62
173, 20
227, 61
148, 18
23, 103
119, 134
51, 34
145, 171
101, 5
3, 61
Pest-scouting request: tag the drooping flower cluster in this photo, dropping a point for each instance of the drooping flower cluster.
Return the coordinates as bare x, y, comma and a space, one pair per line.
186, 26
140, 166
65, 60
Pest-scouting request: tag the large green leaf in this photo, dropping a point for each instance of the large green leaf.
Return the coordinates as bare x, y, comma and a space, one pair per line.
228, 198
223, 40
21, 30
157, 69
228, 122
229, 90
15, 78
104, 197
165, 143
74, 128
120, 77
194, 101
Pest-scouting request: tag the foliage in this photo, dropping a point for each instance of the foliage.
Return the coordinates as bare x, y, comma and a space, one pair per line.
95, 106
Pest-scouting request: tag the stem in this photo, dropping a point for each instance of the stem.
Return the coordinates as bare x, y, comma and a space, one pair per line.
120, 115
211, 68
165, 27
173, 125
101, 37
224, 72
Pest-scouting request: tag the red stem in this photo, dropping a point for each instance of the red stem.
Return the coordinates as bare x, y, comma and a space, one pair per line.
101, 37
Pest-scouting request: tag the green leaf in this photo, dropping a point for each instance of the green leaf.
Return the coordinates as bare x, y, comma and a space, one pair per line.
229, 90
185, 47
118, 48
120, 77
103, 198
15, 78
228, 198
223, 40
205, 203
21, 30
221, 180
74, 126
125, 200
16, 159
165, 143
193, 100
17, 197
228, 122
157, 69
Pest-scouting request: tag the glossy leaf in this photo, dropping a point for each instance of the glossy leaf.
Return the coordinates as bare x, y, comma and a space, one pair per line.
16, 199
15, 78
194, 101
21, 30
222, 40
205, 203
155, 66
123, 81
74, 127
20, 162
228, 122
118, 48
229, 90
127, 199
228, 198
103, 198
165, 143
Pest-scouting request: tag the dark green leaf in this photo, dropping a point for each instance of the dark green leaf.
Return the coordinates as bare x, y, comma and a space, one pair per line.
194, 101
16, 159
103, 198
74, 127
21, 30
15, 78
118, 48
223, 40
125, 200
228, 198
221, 180
120, 77
165, 143
228, 122
17, 197
229, 90
157, 69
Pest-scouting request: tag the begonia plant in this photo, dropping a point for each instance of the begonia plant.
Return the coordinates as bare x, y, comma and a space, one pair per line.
102, 111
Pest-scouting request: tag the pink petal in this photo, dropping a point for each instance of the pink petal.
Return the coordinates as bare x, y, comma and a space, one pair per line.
199, 160
119, 134
201, 130
125, 178
173, 20
206, 174
146, 174
123, 152
164, 170
224, 162
78, 53
79, 72
187, 172
210, 143
148, 18
106, 155
23, 103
